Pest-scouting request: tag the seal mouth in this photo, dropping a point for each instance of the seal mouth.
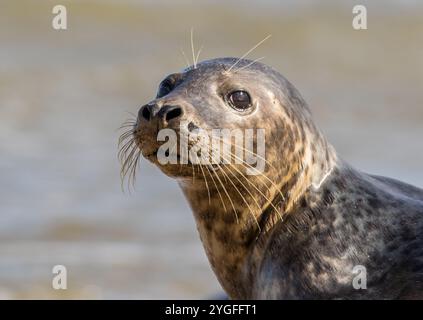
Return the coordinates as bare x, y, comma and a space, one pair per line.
153, 157
215, 167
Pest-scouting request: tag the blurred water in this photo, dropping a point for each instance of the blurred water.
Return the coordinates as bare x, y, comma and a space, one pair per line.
64, 94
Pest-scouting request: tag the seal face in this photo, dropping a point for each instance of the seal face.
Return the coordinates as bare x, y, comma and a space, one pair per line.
297, 228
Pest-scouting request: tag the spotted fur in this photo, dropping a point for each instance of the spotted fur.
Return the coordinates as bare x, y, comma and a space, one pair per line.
318, 219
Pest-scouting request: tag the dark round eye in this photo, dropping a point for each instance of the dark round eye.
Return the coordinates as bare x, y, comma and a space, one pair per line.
239, 99
165, 87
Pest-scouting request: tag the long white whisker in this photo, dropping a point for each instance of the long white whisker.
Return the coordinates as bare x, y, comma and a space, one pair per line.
248, 151
185, 57
192, 48
247, 65
242, 197
218, 191
248, 52
198, 55
255, 187
262, 175
229, 197
207, 185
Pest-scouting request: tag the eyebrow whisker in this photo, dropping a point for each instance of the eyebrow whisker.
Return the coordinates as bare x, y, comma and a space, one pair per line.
249, 64
192, 48
198, 55
248, 52
185, 57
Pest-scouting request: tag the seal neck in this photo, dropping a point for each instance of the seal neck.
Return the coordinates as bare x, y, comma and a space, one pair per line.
233, 224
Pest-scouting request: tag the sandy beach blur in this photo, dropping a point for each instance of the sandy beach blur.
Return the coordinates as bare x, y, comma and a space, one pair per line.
63, 95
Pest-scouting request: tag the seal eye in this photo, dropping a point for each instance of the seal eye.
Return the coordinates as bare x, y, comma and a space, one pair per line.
239, 99
165, 88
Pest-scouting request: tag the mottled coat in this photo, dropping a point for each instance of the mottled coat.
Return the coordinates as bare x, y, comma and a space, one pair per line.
298, 230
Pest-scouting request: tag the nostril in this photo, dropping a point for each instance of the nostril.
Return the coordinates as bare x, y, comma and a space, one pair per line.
146, 114
173, 113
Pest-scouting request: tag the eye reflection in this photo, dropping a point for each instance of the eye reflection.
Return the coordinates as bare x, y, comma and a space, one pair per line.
239, 99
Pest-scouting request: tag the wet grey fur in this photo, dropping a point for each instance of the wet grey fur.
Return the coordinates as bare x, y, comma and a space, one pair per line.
355, 219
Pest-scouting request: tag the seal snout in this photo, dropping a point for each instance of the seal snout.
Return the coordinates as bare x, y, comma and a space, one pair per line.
152, 118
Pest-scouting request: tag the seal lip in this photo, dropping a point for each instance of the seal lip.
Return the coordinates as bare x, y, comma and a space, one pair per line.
153, 158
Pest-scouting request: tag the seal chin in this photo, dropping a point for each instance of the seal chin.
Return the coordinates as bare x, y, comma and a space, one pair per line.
152, 157
173, 170
176, 171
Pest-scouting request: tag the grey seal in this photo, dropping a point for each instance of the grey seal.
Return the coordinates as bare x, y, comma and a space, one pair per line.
298, 229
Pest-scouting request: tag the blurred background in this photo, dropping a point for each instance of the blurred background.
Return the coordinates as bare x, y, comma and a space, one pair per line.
63, 95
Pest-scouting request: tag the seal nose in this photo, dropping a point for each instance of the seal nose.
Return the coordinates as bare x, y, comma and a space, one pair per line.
165, 113
147, 111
